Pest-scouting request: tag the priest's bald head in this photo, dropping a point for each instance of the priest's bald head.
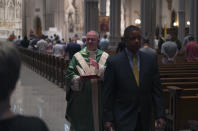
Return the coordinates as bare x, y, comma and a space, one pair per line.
92, 40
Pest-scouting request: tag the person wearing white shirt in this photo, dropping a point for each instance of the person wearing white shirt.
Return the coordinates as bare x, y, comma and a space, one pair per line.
58, 50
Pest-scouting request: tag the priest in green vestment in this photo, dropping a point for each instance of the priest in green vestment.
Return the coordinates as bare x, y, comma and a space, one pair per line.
84, 79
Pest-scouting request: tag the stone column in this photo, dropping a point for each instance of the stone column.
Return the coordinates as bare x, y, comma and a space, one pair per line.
196, 20
153, 20
62, 19
103, 7
192, 28
159, 15
24, 28
181, 15
148, 19
91, 15
145, 17
44, 15
115, 15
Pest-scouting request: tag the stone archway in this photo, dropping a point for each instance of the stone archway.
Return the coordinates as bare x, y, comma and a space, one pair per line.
38, 26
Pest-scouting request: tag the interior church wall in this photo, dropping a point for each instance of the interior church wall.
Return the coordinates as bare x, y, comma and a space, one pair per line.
74, 18
108, 8
123, 9
50, 14
135, 11
130, 11
127, 12
28, 15
59, 18
10, 18
40, 11
166, 13
187, 10
159, 13
55, 13
34, 9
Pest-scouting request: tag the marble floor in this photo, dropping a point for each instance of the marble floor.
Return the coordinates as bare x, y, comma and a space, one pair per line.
36, 96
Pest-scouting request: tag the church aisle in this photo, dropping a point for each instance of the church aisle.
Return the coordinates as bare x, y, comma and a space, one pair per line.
36, 96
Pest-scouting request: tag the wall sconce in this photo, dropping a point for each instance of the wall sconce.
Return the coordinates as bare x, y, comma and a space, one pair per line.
188, 23
137, 21
175, 24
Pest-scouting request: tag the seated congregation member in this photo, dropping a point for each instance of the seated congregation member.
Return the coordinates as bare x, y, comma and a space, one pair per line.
25, 42
121, 46
42, 45
58, 49
132, 88
169, 50
104, 43
186, 40
9, 73
84, 78
84, 41
191, 50
145, 47
72, 48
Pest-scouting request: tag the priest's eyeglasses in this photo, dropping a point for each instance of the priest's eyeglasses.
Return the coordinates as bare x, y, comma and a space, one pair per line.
92, 39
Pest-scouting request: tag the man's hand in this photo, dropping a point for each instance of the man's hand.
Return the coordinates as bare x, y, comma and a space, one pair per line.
93, 62
160, 124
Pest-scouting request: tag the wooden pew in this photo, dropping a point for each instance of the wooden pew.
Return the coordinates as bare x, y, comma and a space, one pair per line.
180, 101
179, 71
194, 67
179, 79
181, 84
181, 109
193, 125
53, 67
178, 74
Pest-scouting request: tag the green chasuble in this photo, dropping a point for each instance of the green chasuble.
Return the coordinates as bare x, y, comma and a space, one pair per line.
80, 103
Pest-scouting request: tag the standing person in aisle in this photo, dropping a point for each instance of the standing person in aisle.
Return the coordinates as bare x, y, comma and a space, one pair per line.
84, 78
132, 87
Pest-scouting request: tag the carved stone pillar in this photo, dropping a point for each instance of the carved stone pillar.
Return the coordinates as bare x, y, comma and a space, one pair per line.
44, 15
115, 14
24, 29
62, 18
196, 20
59, 16
181, 14
153, 25
91, 15
103, 7
192, 28
148, 18
159, 13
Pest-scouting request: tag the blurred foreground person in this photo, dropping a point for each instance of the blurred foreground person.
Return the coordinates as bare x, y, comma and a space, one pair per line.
9, 73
